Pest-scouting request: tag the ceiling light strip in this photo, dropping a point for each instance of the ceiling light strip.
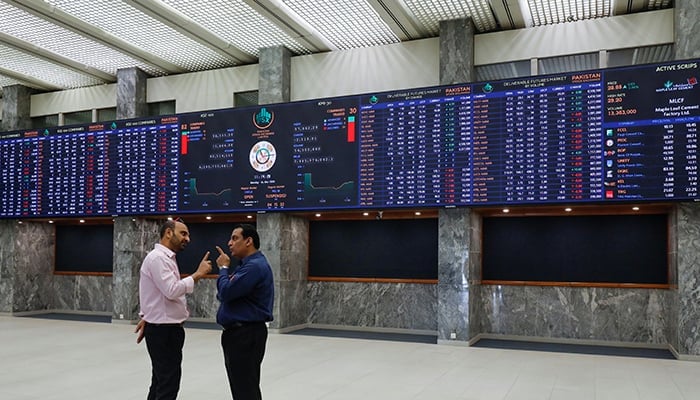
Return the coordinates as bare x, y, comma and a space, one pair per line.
56, 16
185, 26
54, 58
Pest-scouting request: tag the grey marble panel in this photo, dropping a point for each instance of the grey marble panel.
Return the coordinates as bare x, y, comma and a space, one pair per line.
8, 229
64, 289
375, 305
131, 93
274, 81
687, 29
34, 249
688, 257
133, 239
608, 314
671, 299
16, 108
456, 51
83, 293
284, 241
202, 302
293, 309
454, 312
673, 247
456, 228
294, 250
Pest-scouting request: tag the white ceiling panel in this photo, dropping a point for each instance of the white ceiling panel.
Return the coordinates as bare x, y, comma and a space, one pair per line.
65, 43
431, 12
62, 44
345, 23
149, 34
234, 21
41, 74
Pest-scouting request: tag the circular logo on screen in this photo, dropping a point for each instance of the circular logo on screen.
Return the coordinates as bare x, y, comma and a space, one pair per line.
262, 156
263, 118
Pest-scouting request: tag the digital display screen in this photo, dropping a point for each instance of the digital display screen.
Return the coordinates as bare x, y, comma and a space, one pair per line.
622, 134
280, 156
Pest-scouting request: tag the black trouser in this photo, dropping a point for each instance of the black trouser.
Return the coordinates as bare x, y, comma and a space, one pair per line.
164, 343
244, 349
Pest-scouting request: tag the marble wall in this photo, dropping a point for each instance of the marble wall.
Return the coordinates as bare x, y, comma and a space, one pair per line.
458, 303
688, 250
456, 51
7, 269
133, 239
131, 93
584, 313
15, 108
596, 314
457, 254
284, 241
402, 306
82, 293
30, 266
274, 79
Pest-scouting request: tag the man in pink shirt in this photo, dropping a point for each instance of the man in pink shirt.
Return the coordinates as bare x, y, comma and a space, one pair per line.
164, 308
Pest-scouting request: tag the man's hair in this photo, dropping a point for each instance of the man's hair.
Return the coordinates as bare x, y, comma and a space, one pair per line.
169, 224
248, 231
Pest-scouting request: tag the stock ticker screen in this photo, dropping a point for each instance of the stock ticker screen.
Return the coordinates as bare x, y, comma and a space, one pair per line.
603, 136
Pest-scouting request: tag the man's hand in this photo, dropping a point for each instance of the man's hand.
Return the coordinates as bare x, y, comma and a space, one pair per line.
203, 268
139, 331
223, 260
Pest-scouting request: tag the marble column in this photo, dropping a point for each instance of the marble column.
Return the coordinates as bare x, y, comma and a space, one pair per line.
458, 266
25, 268
686, 270
456, 51
8, 233
284, 241
133, 239
131, 93
686, 29
456, 293
283, 237
16, 100
274, 81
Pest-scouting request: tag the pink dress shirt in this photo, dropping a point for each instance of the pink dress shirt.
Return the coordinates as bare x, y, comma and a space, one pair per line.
161, 291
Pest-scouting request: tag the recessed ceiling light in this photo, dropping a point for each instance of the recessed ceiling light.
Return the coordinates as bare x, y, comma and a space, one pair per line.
635, 208
365, 214
249, 216
506, 210
364, 28
417, 212
208, 217
82, 221
318, 214
567, 209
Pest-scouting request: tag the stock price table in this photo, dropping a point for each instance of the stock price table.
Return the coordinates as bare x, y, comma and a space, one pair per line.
623, 134
126, 167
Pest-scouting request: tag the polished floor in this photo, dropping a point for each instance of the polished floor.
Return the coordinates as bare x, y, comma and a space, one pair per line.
75, 360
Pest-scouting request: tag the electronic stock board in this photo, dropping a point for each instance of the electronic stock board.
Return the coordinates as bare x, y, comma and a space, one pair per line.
602, 136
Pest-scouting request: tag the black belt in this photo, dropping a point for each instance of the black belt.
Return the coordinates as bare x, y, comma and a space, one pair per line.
240, 324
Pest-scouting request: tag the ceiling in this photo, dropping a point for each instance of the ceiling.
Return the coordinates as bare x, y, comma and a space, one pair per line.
62, 44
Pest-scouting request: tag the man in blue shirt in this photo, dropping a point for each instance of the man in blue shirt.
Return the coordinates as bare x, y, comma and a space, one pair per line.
246, 295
